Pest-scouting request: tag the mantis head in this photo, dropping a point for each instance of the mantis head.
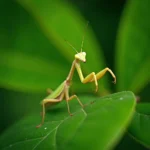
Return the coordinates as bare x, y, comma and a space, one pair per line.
81, 56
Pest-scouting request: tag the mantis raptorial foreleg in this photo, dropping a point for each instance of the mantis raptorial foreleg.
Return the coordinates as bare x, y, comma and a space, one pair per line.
89, 78
92, 77
102, 73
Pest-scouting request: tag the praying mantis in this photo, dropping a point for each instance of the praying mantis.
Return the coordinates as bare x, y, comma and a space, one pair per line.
62, 91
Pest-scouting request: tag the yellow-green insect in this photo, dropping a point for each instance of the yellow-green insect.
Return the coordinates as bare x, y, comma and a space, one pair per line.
62, 92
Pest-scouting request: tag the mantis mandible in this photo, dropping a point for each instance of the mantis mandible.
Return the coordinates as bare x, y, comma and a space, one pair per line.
62, 91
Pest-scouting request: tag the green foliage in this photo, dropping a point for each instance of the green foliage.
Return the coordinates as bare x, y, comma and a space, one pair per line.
134, 36
23, 72
139, 127
34, 56
61, 131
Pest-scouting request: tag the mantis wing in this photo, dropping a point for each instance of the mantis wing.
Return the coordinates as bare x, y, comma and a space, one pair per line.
57, 92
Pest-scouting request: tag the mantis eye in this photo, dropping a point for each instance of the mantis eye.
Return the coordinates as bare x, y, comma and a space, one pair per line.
84, 53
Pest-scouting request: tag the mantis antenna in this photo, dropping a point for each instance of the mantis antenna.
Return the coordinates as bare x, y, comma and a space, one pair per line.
84, 36
71, 46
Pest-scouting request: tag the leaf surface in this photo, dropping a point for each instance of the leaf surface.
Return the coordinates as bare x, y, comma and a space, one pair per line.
140, 125
106, 118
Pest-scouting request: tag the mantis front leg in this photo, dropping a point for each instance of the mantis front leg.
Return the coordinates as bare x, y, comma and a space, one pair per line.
92, 77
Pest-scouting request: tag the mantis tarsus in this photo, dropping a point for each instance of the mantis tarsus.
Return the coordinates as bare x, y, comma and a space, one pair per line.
62, 92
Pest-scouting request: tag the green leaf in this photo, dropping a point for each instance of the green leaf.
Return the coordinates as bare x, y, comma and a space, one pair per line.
140, 125
98, 126
23, 72
28, 61
133, 54
60, 20
14, 105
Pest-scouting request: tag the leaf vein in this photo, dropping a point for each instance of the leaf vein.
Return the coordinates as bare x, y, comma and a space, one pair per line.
56, 128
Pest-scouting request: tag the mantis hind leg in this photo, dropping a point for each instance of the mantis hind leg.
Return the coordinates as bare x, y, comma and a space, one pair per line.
44, 102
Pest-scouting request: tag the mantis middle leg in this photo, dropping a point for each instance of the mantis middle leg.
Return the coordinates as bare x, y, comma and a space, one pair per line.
68, 98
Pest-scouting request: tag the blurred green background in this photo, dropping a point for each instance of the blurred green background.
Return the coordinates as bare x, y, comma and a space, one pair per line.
34, 55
